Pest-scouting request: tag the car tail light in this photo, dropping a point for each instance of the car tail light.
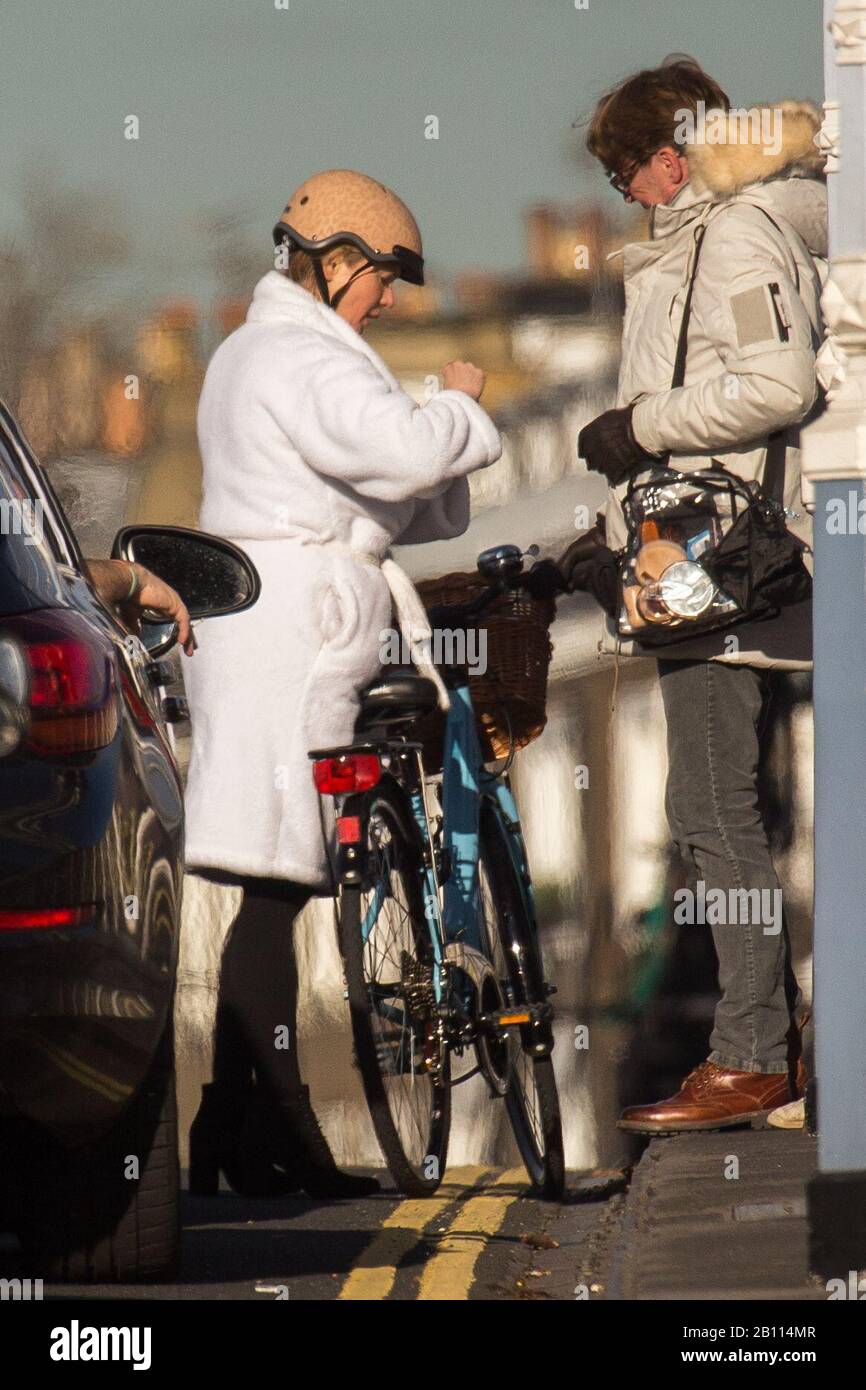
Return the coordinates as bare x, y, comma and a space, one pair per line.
349, 772
73, 696
45, 918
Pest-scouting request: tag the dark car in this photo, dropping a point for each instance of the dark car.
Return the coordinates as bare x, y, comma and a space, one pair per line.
91, 864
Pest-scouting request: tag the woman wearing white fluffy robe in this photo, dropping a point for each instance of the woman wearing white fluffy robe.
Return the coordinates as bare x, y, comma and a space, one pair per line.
314, 462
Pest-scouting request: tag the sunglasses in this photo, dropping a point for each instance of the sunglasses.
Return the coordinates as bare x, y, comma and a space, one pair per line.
622, 181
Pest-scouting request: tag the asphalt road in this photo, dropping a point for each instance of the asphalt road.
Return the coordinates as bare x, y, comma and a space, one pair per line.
481, 1237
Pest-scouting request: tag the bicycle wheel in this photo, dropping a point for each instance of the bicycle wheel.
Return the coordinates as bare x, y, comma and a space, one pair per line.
532, 1100
404, 1064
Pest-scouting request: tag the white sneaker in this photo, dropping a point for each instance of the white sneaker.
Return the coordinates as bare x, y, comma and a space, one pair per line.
790, 1116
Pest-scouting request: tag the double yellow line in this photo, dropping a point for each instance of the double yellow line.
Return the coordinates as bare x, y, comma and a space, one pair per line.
449, 1271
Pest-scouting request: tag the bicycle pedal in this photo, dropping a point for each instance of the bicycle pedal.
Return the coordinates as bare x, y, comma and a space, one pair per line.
500, 1019
505, 1018
521, 1015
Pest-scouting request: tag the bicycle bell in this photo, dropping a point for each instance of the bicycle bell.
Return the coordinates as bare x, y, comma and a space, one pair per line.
500, 562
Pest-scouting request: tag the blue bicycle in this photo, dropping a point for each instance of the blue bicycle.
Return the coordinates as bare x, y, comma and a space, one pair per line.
437, 922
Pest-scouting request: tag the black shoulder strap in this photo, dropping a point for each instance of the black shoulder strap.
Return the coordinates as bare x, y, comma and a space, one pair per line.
679, 375
773, 483
774, 464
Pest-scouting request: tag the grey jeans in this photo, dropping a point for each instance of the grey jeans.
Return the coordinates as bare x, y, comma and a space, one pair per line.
716, 714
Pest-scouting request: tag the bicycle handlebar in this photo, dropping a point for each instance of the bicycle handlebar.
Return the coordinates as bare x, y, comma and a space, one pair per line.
502, 565
442, 613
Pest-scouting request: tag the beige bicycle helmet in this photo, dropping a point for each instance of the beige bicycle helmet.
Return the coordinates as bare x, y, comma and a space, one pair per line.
339, 206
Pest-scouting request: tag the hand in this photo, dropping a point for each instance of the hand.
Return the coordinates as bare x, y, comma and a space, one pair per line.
160, 598
544, 580
609, 446
111, 580
575, 563
463, 376
572, 571
589, 566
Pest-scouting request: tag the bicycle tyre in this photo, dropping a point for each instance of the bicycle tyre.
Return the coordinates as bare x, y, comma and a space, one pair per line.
516, 959
382, 1059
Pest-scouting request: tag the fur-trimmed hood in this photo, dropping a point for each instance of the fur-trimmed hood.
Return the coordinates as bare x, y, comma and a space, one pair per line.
765, 142
771, 151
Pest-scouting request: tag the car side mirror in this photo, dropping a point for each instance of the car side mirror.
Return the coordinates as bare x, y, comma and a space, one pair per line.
14, 695
212, 576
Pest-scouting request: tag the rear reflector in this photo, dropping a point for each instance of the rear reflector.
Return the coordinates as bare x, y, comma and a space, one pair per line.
350, 772
349, 830
44, 918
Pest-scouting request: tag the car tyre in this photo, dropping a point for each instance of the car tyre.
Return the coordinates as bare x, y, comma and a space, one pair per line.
83, 1220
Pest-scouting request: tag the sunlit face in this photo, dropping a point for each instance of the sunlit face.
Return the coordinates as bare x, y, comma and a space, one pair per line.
656, 181
368, 295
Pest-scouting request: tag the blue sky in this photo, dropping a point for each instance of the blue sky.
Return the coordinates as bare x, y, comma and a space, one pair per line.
238, 101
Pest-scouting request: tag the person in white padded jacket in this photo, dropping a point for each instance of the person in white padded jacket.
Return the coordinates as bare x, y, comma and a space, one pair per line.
314, 462
754, 183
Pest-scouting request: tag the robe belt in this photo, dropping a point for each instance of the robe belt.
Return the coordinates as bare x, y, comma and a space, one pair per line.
412, 617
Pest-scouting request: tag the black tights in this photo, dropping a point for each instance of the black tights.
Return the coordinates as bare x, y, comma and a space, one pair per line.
258, 990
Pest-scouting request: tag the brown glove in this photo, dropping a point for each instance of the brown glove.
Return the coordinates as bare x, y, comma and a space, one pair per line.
609, 446
588, 565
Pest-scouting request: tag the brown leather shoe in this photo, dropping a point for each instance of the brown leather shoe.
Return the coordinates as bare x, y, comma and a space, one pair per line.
711, 1097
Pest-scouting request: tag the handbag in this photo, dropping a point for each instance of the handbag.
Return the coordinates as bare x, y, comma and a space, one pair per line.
705, 548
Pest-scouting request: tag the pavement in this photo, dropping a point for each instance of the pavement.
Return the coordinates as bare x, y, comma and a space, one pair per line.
718, 1216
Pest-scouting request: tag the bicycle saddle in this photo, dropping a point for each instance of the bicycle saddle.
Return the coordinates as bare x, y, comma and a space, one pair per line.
400, 695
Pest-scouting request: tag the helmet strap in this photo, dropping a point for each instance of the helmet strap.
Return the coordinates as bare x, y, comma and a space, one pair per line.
321, 282
364, 266
332, 300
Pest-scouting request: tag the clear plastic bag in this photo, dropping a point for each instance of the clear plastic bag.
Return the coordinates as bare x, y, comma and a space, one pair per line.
676, 522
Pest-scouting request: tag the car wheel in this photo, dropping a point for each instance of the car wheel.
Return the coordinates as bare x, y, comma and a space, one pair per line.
85, 1217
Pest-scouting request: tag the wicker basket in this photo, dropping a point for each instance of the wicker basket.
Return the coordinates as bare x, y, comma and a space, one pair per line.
510, 697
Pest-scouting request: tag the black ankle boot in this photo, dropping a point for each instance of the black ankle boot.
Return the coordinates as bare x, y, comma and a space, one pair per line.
296, 1143
213, 1139
216, 1141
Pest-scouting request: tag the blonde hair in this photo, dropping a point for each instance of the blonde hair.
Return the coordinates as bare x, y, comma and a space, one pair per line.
300, 268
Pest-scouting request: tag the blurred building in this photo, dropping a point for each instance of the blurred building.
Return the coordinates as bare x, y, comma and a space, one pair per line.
573, 242
170, 351
74, 400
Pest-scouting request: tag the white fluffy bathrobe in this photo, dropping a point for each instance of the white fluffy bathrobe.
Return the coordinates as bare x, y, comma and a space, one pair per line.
314, 461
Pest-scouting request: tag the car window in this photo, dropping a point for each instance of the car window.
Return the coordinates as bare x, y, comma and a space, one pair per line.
20, 459
28, 558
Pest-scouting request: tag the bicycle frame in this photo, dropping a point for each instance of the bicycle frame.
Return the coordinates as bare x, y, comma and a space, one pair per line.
451, 907
468, 983
453, 910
